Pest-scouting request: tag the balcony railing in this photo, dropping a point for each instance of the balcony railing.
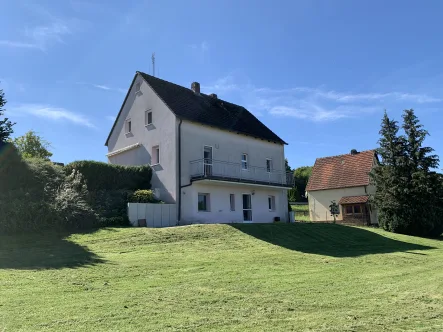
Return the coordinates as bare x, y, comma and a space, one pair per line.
235, 172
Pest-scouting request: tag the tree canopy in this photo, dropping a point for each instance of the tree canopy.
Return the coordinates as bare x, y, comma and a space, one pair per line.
5, 124
31, 145
409, 194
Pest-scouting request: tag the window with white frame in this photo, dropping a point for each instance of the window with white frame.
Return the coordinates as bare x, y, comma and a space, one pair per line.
244, 161
271, 203
148, 117
269, 165
203, 202
155, 157
232, 202
128, 126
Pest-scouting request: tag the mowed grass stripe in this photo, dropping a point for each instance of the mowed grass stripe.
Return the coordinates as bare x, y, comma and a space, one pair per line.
274, 277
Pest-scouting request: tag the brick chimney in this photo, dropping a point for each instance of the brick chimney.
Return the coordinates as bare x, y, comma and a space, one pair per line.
195, 86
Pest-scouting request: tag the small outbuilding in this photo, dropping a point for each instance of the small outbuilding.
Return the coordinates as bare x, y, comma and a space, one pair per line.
345, 180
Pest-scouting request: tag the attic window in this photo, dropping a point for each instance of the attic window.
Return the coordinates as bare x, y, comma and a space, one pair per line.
137, 87
148, 117
128, 126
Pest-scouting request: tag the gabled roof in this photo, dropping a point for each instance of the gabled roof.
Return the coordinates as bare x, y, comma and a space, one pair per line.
354, 199
203, 109
348, 170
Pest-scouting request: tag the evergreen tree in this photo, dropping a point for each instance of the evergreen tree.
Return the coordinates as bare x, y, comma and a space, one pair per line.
5, 124
423, 187
389, 177
409, 194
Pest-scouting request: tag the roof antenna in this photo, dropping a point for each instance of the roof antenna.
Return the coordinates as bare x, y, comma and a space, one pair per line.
153, 64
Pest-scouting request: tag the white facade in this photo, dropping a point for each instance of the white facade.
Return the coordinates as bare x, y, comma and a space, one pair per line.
161, 133
265, 160
319, 201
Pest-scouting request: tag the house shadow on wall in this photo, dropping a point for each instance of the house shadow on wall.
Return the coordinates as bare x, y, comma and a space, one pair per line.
39, 251
328, 239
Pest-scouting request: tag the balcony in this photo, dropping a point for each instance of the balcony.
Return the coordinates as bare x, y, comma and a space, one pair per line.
216, 170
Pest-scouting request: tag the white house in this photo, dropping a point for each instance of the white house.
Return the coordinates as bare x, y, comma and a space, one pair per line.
345, 180
214, 159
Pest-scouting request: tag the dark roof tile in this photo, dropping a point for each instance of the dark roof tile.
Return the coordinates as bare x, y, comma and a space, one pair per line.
209, 110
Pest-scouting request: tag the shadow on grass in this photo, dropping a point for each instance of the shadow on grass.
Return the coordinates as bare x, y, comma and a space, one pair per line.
43, 251
327, 239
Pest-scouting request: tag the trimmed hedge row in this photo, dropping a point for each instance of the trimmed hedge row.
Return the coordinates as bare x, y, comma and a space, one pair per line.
103, 176
38, 195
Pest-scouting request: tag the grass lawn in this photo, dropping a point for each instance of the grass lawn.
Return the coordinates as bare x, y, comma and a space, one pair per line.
274, 277
301, 212
304, 207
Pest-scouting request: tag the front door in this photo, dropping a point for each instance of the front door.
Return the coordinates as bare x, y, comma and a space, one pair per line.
247, 208
207, 160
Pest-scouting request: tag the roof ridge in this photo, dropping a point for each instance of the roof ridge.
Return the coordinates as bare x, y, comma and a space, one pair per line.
347, 154
188, 89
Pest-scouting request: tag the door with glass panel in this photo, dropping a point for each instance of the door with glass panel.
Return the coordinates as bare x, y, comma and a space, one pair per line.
207, 160
247, 208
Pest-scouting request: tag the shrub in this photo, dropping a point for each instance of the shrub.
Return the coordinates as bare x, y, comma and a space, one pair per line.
110, 206
37, 195
103, 176
71, 206
143, 196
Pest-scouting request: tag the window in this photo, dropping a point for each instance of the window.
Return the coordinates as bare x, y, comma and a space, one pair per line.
268, 165
155, 157
137, 87
244, 161
353, 209
128, 126
203, 202
348, 209
271, 203
232, 201
148, 117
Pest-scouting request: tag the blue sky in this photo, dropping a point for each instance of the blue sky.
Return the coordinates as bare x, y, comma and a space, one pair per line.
318, 73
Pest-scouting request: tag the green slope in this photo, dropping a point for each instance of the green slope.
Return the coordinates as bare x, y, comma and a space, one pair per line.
278, 277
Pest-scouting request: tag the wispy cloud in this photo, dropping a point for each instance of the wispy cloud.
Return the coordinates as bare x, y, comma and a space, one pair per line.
222, 85
52, 113
50, 31
202, 47
312, 104
103, 87
110, 118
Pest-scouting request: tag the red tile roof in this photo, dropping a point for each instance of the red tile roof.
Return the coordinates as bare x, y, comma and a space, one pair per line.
353, 199
342, 171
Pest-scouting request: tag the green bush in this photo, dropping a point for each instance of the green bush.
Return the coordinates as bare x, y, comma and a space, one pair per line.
37, 195
143, 196
103, 176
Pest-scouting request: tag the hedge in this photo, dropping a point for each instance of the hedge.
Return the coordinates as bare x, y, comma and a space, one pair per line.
103, 176
37, 195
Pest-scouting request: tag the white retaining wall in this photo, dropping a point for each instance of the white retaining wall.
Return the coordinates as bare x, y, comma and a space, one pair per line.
156, 215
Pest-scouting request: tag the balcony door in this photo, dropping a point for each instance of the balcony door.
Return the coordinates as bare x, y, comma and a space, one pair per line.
207, 160
247, 208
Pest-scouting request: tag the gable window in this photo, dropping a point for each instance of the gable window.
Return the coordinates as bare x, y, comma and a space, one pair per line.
271, 203
269, 165
155, 157
137, 87
203, 202
232, 202
244, 161
148, 117
128, 126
